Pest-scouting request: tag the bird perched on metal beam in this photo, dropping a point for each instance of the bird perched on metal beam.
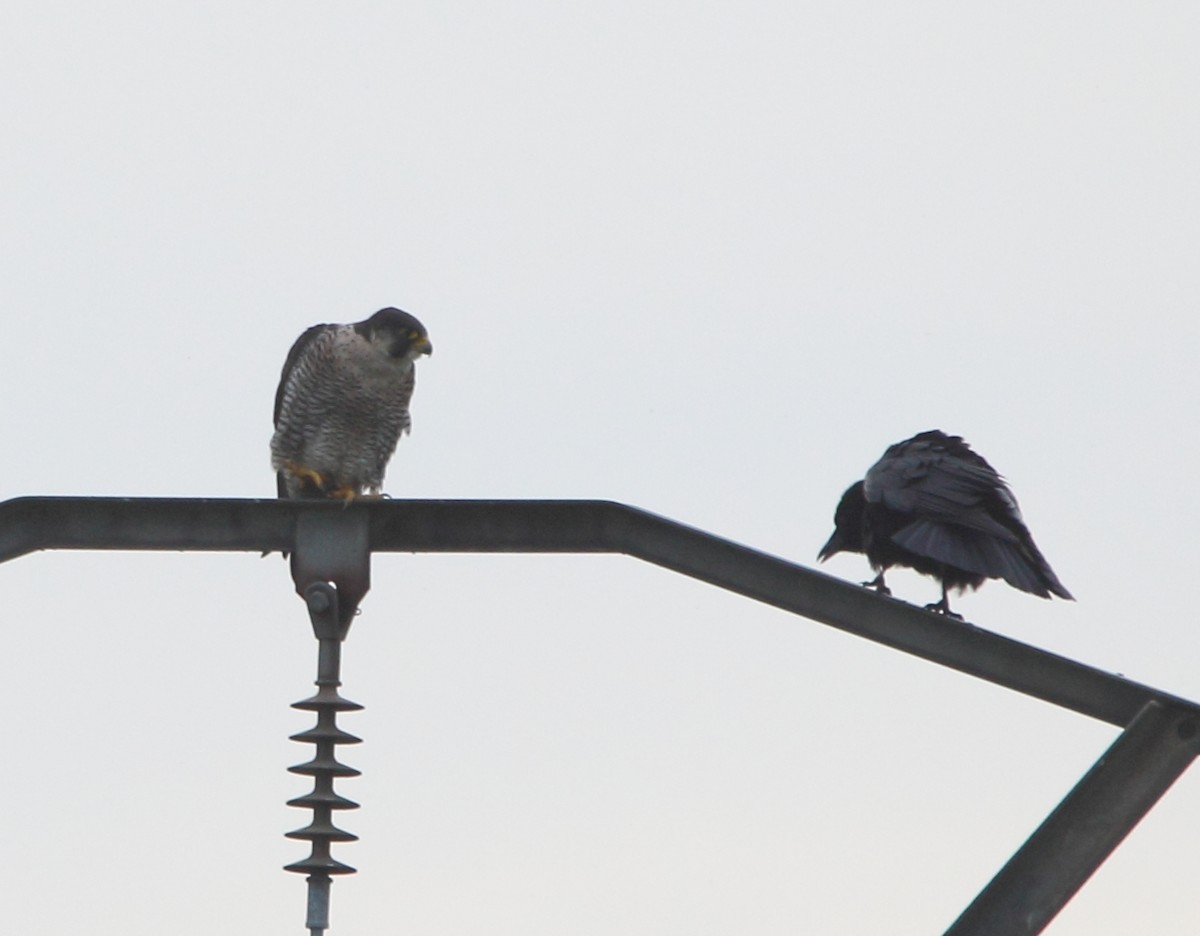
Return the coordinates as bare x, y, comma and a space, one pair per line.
934, 505
342, 405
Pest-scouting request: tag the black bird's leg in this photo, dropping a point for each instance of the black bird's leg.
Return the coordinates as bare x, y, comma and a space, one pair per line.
878, 584
943, 606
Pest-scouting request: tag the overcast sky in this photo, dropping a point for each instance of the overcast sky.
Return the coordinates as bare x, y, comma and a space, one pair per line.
705, 259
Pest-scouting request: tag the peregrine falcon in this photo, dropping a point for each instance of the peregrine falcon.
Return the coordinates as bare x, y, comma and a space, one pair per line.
342, 405
934, 505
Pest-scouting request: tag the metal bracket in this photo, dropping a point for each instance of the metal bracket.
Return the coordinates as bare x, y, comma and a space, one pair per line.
334, 546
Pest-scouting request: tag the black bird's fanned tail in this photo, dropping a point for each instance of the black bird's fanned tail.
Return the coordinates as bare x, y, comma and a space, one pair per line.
984, 555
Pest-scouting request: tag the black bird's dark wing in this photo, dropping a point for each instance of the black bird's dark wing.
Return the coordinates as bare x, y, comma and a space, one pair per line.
938, 484
948, 504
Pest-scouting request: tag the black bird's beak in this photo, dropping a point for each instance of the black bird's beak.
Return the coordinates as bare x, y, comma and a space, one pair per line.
836, 544
424, 345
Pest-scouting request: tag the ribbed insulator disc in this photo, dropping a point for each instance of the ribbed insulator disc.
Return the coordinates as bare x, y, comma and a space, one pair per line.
327, 733
315, 799
325, 765
327, 865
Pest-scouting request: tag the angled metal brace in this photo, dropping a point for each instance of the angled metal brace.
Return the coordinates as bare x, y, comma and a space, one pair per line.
1093, 819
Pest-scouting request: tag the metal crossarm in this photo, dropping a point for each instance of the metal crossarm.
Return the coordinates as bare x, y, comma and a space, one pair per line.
1162, 731
579, 526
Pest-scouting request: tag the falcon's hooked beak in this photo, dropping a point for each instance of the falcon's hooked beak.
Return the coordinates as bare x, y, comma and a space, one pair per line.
423, 345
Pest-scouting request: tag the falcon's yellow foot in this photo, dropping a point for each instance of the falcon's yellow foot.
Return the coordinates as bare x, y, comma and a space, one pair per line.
307, 475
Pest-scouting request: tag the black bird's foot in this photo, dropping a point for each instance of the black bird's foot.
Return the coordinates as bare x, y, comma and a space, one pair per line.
943, 607
878, 584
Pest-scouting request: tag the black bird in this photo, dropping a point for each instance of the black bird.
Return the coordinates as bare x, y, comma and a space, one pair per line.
934, 505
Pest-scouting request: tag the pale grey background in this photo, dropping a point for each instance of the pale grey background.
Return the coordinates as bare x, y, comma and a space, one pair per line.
705, 259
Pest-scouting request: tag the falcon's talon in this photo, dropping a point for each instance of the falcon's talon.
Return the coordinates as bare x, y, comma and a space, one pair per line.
306, 474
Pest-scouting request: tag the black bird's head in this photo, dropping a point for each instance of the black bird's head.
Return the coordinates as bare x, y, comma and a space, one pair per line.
397, 334
847, 524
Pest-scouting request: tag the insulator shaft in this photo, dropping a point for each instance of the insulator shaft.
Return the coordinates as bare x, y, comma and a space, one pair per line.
324, 767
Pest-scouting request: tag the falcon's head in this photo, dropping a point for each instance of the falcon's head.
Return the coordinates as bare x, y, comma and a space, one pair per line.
396, 334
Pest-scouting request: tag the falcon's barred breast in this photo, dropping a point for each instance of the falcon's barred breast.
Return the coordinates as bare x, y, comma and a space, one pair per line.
342, 405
